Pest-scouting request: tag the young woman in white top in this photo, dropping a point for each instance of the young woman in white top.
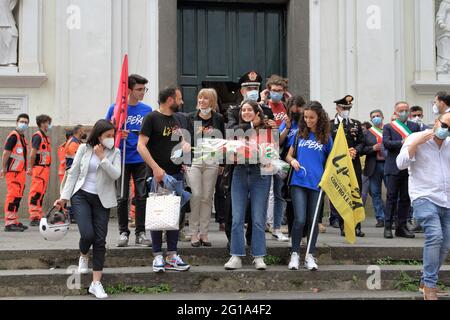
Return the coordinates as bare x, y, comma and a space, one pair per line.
91, 189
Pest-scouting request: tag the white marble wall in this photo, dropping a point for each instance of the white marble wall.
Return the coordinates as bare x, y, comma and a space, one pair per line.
362, 54
82, 45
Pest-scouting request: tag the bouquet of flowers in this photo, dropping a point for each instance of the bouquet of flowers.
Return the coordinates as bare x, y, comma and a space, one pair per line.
268, 155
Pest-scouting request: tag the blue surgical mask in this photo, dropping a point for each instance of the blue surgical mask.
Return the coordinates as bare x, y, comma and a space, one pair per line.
252, 95
276, 96
22, 127
50, 126
377, 121
442, 133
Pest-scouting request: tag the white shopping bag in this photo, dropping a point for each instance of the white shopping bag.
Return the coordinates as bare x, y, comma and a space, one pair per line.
162, 212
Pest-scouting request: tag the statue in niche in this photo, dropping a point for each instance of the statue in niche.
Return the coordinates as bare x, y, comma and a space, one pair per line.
443, 38
9, 34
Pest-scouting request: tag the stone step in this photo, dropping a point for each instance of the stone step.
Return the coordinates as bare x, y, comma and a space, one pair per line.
141, 257
243, 296
212, 279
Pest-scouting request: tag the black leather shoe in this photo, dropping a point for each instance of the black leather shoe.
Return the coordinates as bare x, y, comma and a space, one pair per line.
380, 224
35, 223
388, 233
403, 232
24, 227
13, 228
360, 234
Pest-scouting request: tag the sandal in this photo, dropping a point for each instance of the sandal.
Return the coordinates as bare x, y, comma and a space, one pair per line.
197, 243
205, 243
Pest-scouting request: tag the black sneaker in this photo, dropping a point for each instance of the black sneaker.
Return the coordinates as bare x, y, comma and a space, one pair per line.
35, 223
21, 225
13, 228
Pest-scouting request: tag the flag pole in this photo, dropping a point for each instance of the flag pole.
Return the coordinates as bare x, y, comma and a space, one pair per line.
123, 163
316, 213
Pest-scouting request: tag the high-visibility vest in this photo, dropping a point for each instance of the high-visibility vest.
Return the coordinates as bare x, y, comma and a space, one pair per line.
17, 158
44, 151
62, 159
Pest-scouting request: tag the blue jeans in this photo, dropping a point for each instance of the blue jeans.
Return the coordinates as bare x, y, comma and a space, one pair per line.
435, 221
304, 201
172, 235
376, 181
247, 179
279, 202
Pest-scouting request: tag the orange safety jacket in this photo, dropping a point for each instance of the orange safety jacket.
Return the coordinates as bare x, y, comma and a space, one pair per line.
62, 159
17, 160
44, 151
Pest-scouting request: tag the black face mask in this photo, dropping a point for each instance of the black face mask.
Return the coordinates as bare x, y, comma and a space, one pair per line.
296, 116
83, 136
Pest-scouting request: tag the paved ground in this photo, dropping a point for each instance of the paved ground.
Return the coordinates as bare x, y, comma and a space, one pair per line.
31, 239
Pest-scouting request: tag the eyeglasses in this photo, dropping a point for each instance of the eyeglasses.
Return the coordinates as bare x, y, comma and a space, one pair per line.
444, 125
142, 89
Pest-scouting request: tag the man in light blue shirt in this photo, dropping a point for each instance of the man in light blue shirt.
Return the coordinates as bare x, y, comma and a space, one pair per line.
427, 155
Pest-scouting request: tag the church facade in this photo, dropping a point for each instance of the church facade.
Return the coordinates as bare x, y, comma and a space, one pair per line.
70, 51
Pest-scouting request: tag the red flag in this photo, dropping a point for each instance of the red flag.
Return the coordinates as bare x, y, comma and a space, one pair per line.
121, 108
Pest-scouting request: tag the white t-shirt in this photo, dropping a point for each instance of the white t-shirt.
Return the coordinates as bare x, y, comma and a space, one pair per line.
90, 184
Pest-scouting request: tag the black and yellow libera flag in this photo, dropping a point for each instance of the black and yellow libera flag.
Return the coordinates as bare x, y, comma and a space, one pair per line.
341, 186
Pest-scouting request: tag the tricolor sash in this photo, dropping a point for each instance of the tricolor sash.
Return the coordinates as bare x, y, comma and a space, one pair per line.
378, 133
401, 128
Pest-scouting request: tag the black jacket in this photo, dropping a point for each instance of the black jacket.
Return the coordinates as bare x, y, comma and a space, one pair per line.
371, 155
233, 117
218, 123
392, 142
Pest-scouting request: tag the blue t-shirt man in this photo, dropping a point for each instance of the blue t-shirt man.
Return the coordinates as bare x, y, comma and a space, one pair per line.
312, 156
136, 115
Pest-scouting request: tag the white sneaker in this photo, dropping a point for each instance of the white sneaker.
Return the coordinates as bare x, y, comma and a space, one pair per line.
97, 290
260, 264
277, 234
295, 261
83, 266
158, 264
123, 240
311, 263
234, 263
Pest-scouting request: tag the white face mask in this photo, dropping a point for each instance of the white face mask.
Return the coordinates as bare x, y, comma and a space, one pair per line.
436, 110
205, 112
108, 143
345, 114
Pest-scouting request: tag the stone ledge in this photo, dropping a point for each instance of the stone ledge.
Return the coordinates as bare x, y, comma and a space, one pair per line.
430, 87
22, 80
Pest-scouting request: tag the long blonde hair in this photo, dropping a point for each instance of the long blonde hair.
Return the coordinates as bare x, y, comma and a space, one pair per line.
211, 95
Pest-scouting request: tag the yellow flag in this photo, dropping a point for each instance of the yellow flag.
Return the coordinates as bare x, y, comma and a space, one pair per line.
341, 186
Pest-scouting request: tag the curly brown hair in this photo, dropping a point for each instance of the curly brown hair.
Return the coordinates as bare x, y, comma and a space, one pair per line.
276, 80
323, 123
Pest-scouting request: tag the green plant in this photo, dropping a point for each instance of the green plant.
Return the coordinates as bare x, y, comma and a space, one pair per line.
406, 283
388, 261
122, 289
272, 260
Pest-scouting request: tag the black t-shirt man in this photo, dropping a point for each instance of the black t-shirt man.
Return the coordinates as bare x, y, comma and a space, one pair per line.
159, 128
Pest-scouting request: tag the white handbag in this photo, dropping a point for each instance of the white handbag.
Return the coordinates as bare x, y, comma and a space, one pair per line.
162, 212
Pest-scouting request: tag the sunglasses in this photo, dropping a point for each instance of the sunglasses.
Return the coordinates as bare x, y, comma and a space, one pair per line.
444, 125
